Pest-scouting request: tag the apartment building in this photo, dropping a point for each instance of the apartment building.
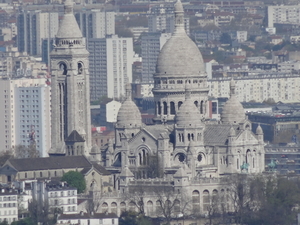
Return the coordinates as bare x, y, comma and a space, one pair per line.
33, 27
95, 23
151, 45
279, 86
8, 205
26, 113
111, 62
289, 14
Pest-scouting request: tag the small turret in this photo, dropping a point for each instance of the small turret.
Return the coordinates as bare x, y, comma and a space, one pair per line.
260, 134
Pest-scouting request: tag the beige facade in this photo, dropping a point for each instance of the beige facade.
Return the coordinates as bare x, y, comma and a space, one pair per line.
280, 87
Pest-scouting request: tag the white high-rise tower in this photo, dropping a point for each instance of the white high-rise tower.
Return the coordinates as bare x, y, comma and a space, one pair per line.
71, 132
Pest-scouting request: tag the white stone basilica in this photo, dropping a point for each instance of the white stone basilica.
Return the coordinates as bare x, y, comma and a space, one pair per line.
183, 149
182, 134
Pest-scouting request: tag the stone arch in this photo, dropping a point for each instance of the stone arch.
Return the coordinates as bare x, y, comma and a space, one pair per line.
123, 206
177, 206
80, 67
118, 159
206, 199
158, 108
62, 66
196, 201
114, 207
165, 108
158, 207
180, 157
104, 207
179, 104
172, 108
132, 206
248, 156
149, 208
196, 104
202, 107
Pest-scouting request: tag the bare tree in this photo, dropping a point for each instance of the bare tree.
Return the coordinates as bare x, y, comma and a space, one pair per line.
171, 204
136, 195
22, 151
93, 202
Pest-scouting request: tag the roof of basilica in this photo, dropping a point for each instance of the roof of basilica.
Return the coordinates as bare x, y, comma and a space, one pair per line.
68, 27
180, 56
217, 134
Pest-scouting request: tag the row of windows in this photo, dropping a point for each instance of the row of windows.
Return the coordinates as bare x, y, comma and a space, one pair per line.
8, 198
57, 194
8, 205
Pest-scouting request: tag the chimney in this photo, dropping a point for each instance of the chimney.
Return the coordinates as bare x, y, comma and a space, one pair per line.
92, 213
81, 213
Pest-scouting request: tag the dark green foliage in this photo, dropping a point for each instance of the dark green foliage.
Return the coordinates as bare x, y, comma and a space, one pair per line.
225, 38
133, 218
265, 200
26, 221
4, 222
75, 179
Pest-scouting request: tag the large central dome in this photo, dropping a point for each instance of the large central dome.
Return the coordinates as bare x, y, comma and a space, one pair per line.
179, 56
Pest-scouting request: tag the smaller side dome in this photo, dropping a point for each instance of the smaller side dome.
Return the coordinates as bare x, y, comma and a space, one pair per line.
233, 111
188, 114
259, 130
129, 115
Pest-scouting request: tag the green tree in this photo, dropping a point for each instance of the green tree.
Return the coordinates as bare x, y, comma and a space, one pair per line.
75, 179
225, 38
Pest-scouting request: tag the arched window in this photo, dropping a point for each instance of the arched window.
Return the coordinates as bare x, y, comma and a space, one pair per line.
123, 206
196, 202
149, 208
206, 200
248, 156
196, 104
165, 108
113, 207
176, 206
180, 157
237, 164
189, 137
201, 107
158, 108
179, 137
172, 106
192, 137
104, 207
179, 104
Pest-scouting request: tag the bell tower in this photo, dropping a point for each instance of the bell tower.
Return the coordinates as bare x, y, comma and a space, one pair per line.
70, 98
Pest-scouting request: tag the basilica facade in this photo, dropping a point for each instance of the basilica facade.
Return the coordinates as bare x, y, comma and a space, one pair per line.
191, 154
182, 134
183, 151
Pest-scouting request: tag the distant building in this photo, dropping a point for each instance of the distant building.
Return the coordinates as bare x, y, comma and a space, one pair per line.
165, 23
89, 219
288, 14
9, 205
285, 156
151, 45
277, 127
108, 112
278, 86
33, 27
111, 61
26, 114
95, 23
